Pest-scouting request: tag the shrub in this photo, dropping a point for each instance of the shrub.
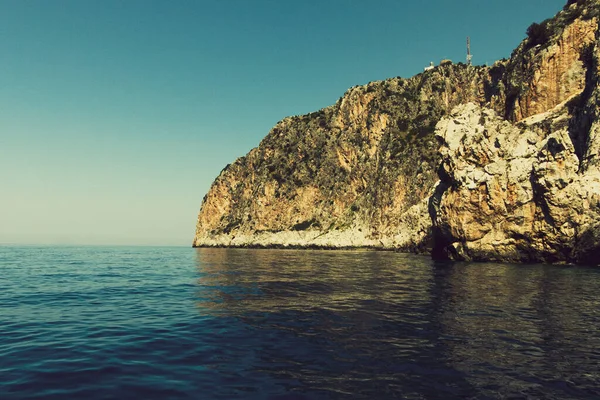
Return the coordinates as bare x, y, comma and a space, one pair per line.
573, 2
538, 33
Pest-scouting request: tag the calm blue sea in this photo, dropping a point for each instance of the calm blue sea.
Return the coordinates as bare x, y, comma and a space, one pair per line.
181, 323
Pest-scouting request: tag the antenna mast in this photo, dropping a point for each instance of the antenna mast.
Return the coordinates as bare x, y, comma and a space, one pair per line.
469, 55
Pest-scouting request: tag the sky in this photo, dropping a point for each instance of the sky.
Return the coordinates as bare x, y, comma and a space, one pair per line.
116, 116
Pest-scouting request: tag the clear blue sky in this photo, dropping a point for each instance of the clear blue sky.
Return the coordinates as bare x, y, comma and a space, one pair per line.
117, 115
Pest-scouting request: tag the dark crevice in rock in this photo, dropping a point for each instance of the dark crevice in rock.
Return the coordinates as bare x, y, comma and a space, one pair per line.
588, 247
583, 107
554, 146
440, 236
538, 194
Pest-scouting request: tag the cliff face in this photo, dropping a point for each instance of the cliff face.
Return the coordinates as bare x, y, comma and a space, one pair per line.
357, 173
516, 146
530, 190
547, 67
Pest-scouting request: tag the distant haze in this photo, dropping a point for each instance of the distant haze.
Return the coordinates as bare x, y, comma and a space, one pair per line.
117, 115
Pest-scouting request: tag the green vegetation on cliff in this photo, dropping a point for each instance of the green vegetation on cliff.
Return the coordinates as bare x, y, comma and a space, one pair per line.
360, 163
361, 172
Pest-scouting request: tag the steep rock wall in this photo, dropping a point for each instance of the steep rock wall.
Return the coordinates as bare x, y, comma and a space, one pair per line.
528, 191
512, 192
518, 178
355, 174
547, 68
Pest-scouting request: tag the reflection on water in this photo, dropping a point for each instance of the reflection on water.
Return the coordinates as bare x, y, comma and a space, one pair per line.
271, 281
537, 327
367, 324
178, 323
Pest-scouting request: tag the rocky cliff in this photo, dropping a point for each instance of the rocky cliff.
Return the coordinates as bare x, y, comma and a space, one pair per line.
355, 174
514, 152
526, 186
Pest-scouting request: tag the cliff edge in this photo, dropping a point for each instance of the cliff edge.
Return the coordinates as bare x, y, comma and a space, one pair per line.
355, 174
526, 187
469, 162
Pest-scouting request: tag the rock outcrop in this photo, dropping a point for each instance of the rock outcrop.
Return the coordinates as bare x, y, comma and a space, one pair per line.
510, 173
530, 190
547, 67
514, 192
355, 174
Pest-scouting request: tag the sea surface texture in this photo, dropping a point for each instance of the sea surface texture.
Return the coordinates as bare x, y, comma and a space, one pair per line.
181, 323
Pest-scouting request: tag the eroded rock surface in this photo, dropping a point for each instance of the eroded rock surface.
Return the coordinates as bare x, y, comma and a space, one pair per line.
513, 192
528, 190
355, 174
511, 174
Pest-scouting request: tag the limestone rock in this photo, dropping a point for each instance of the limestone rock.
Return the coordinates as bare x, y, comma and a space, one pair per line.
528, 190
514, 192
355, 174
512, 171
539, 77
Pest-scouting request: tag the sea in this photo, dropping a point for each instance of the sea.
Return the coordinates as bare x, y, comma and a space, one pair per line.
183, 323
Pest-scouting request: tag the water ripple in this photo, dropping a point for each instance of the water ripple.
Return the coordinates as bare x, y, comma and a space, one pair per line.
178, 323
